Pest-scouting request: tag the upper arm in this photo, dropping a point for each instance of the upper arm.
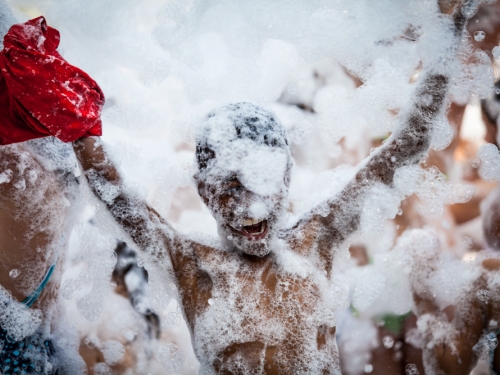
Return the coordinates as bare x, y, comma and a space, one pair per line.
147, 229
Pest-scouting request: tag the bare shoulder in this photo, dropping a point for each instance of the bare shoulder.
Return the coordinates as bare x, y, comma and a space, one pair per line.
189, 256
311, 237
191, 260
302, 236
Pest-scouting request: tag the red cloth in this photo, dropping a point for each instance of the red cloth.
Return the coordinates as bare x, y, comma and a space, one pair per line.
40, 93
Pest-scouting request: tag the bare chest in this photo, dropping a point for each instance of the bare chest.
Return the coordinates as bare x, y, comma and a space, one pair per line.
257, 314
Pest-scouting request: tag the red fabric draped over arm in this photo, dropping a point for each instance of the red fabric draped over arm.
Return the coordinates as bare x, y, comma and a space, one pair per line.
41, 94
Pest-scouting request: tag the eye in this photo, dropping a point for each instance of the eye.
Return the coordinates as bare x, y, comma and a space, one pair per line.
232, 186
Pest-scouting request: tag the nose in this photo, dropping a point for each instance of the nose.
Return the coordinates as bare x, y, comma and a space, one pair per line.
258, 210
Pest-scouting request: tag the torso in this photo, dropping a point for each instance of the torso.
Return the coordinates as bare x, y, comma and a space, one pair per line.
33, 212
251, 315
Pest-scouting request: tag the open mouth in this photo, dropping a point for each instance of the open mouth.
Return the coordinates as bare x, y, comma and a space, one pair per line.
255, 231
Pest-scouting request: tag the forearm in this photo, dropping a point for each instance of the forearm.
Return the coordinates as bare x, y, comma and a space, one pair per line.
140, 222
95, 161
412, 142
407, 145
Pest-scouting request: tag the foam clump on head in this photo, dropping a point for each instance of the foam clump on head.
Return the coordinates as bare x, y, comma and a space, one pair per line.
248, 140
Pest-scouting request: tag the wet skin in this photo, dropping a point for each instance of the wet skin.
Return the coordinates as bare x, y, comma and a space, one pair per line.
313, 237
32, 219
195, 269
471, 319
256, 273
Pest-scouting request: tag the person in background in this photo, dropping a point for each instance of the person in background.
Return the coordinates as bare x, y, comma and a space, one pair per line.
247, 269
39, 200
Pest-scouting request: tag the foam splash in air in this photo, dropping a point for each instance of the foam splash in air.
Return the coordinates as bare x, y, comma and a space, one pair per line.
164, 68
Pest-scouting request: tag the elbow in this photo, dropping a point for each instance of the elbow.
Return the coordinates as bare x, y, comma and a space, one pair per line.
104, 189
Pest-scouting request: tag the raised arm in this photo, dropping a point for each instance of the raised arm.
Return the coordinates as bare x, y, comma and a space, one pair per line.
405, 147
147, 229
142, 223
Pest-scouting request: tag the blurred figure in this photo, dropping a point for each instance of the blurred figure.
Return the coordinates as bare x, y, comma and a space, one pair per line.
491, 206
39, 191
455, 337
131, 282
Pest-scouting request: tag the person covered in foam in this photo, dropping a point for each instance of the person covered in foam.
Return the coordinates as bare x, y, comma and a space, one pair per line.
39, 195
249, 205
263, 298
456, 325
43, 96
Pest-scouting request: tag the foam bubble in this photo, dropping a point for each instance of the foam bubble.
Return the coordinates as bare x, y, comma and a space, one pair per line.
102, 369
496, 52
489, 169
113, 352
171, 358
411, 369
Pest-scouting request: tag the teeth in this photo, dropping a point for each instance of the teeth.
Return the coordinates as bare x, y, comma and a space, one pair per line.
262, 230
248, 222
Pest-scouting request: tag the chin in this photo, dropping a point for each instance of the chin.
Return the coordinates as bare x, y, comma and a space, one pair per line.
259, 246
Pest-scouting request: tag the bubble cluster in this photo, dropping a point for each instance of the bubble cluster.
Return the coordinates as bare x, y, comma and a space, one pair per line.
432, 188
102, 369
113, 352
100, 261
171, 358
490, 162
15, 319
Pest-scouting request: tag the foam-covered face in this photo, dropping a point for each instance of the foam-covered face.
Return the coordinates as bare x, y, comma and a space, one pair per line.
246, 220
244, 164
